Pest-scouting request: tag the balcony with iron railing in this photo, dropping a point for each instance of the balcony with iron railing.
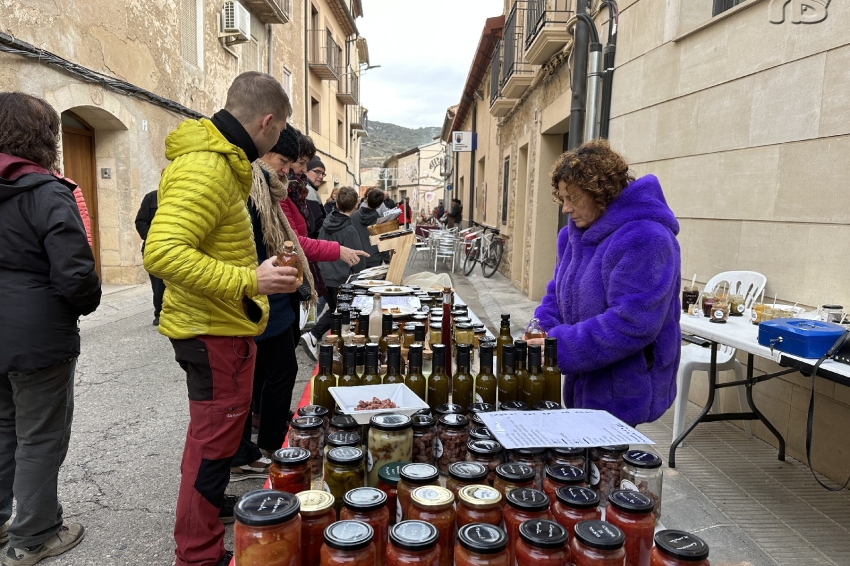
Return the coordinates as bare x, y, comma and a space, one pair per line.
499, 104
323, 54
357, 118
348, 91
546, 28
517, 75
270, 11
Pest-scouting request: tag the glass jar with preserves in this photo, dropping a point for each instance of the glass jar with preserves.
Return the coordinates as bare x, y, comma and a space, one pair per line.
407, 334
603, 473
344, 471
480, 544
489, 453
388, 477
340, 439
316, 411
343, 423
562, 476
542, 543
479, 504
424, 438
435, 505
678, 548
413, 543
480, 433
267, 529
737, 305
462, 474
546, 406
533, 457
474, 411
720, 311
631, 511
435, 332
290, 470
642, 472
411, 477
464, 333
524, 504
597, 543
452, 436
512, 476
447, 409
568, 456
369, 504
573, 505
317, 514
348, 543
390, 440
307, 433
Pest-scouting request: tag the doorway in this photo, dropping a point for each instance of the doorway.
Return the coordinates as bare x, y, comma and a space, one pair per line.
519, 274
79, 166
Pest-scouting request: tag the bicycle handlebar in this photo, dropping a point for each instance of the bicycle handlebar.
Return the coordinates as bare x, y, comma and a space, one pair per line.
494, 230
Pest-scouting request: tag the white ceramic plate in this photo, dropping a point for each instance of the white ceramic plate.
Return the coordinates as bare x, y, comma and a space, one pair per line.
367, 283
347, 398
392, 290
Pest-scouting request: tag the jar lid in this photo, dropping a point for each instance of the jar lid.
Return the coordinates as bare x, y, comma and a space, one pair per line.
566, 474
364, 499
833, 307
313, 411
541, 533
422, 421
475, 419
513, 406
479, 495
425, 411
343, 438
265, 507
577, 497
448, 408
390, 421
307, 423
409, 327
467, 471
631, 501
641, 459
528, 451
546, 406
436, 325
389, 473
344, 422
463, 326
681, 545
599, 535
480, 433
414, 535
476, 408
419, 473
290, 456
432, 496
487, 447
568, 451
453, 420
514, 472
348, 535
528, 499
615, 448
314, 501
345, 455
482, 538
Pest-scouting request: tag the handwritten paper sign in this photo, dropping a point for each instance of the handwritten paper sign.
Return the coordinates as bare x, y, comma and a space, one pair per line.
363, 303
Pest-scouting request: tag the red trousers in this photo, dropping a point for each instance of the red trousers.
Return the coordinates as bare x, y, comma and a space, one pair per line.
219, 376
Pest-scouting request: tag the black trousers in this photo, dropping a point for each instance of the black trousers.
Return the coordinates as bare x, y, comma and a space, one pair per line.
158, 286
324, 322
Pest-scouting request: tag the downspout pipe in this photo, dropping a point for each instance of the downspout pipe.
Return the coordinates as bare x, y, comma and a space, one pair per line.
608, 75
472, 163
594, 85
578, 84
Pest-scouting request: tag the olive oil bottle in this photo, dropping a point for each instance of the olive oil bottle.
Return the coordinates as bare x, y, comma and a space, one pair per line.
485, 381
462, 382
551, 372
438, 383
508, 386
534, 386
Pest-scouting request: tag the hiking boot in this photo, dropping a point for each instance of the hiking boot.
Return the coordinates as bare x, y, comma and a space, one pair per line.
225, 514
4, 538
258, 469
225, 560
68, 536
311, 345
156, 321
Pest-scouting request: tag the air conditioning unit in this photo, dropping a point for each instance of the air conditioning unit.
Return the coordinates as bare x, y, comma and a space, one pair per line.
235, 23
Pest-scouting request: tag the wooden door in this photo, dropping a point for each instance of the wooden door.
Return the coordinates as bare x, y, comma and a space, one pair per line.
79, 166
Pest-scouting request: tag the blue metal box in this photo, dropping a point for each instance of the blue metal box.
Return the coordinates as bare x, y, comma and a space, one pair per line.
799, 337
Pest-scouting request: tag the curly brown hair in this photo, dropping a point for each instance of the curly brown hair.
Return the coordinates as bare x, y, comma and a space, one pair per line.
29, 128
593, 170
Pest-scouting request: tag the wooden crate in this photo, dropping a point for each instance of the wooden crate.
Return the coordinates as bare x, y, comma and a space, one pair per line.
383, 228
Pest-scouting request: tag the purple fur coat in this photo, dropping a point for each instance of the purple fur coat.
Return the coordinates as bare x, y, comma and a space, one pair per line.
613, 306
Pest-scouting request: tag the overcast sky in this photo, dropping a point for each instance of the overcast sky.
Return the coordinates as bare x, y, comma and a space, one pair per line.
424, 50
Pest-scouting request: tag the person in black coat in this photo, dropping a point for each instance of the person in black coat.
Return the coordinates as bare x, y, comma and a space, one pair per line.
143, 223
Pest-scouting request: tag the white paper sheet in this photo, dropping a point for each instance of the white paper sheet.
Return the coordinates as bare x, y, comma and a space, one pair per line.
363, 303
566, 428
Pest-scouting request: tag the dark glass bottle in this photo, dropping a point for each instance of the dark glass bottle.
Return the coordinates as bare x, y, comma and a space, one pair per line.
361, 357
447, 329
438, 383
534, 386
520, 359
363, 325
349, 367
336, 330
415, 380
324, 379
508, 386
393, 365
386, 330
485, 381
371, 375
462, 384
551, 372
504, 339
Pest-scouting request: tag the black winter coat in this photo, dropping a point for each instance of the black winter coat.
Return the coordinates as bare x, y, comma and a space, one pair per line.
144, 217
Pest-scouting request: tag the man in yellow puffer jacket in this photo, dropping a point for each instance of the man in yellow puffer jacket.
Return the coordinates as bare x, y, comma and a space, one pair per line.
201, 244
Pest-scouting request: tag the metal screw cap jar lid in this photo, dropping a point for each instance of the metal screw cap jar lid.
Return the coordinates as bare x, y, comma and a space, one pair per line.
482, 538
515, 473
345, 455
390, 421
414, 535
565, 474
291, 456
454, 420
425, 411
265, 507
448, 408
432, 496
342, 438
486, 447
348, 535
641, 459
422, 421
364, 499
463, 325
389, 473
568, 451
546, 406
681, 545
577, 497
631, 501
528, 451
307, 423
615, 448
479, 495
467, 471
476, 408
419, 473
344, 422
528, 499
436, 325
513, 406
599, 535
313, 411
541, 533
314, 501
480, 433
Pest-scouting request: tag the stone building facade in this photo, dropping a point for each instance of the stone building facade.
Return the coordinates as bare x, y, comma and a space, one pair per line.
417, 173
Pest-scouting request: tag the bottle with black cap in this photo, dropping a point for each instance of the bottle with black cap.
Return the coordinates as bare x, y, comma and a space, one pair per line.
597, 542
480, 543
371, 375
266, 513
363, 325
386, 330
361, 356
533, 387
520, 359
336, 330
485, 381
508, 385
415, 380
414, 542
438, 383
393, 365
463, 382
349, 367
541, 542
349, 542
678, 548
325, 379
504, 339
551, 372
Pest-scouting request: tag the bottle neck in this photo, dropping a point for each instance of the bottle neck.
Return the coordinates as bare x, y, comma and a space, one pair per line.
505, 330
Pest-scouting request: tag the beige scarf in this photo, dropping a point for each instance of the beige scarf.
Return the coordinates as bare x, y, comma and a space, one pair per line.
276, 229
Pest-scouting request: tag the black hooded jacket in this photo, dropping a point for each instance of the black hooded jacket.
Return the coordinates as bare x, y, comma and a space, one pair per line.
361, 219
47, 275
338, 228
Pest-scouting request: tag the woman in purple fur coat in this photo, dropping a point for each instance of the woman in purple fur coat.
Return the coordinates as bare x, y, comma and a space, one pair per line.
613, 304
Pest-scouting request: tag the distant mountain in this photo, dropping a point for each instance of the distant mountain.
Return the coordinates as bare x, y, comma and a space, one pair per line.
386, 140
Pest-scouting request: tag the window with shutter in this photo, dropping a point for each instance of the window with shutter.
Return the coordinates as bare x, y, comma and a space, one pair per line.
191, 16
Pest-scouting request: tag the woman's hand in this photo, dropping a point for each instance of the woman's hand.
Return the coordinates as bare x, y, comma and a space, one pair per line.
540, 341
351, 257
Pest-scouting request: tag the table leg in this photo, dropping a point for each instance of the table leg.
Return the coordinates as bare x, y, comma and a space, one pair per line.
761, 417
712, 386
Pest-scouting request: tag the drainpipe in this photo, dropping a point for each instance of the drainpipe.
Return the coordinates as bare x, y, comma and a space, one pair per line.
269, 65
608, 76
306, 71
472, 161
579, 87
594, 80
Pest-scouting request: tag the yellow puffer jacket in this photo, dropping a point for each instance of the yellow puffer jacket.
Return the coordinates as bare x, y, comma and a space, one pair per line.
201, 242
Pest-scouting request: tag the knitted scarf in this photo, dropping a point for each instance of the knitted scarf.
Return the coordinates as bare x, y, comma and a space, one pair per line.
266, 197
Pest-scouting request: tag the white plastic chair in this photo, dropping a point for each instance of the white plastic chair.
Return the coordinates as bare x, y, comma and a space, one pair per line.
696, 358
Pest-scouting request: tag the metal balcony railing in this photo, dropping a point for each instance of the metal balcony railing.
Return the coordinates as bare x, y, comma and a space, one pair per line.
349, 87
270, 11
357, 117
515, 70
543, 13
323, 54
495, 73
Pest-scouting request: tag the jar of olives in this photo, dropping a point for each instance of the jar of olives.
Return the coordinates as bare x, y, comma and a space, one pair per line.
339, 439
316, 411
390, 440
290, 470
480, 433
488, 453
606, 463
424, 438
447, 409
348, 543
267, 529
642, 472
479, 504
344, 471
462, 474
452, 436
343, 423
317, 514
475, 410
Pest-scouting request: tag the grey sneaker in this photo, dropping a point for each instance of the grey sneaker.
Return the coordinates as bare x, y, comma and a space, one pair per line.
258, 469
4, 538
311, 345
69, 536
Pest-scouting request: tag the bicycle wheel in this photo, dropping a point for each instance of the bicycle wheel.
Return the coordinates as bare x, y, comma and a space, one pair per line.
471, 257
490, 264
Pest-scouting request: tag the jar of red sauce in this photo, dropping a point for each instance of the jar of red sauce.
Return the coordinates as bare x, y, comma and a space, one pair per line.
479, 504
631, 511
542, 543
678, 548
435, 505
533, 457
524, 504
290, 470
388, 476
348, 543
369, 504
317, 514
562, 476
268, 529
480, 544
413, 543
597, 543
465, 473
512, 476
411, 477
575, 504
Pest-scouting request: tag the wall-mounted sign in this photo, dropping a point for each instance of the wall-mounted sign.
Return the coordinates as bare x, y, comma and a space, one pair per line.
464, 141
429, 197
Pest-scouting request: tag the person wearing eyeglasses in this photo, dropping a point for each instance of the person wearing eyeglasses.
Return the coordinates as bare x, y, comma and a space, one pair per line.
315, 177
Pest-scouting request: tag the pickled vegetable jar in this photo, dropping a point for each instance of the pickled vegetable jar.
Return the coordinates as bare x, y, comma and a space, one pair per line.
603, 472
435, 505
479, 504
642, 472
369, 504
573, 505
512, 476
542, 543
562, 476
411, 477
348, 543
488, 453
317, 514
524, 504
290, 470
533, 457
424, 438
631, 511
480, 544
344, 471
340, 439
308, 433
268, 529
678, 548
390, 440
452, 436
413, 543
568, 456
462, 474
388, 476
316, 411
597, 543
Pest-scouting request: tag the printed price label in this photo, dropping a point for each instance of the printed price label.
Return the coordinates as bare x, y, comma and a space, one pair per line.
594, 474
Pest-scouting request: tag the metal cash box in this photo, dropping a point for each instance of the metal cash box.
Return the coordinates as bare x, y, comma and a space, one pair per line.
799, 337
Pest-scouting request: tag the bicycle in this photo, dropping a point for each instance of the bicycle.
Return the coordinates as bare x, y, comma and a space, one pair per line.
485, 248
